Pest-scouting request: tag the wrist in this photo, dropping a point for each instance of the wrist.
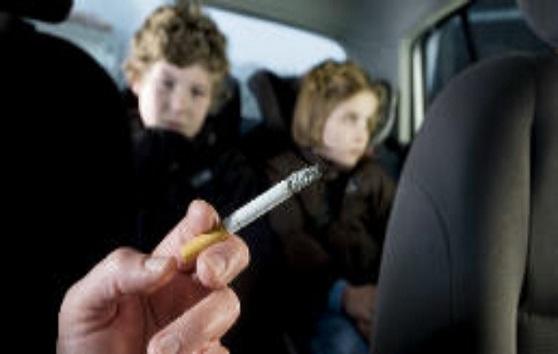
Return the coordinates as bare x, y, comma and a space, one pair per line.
336, 298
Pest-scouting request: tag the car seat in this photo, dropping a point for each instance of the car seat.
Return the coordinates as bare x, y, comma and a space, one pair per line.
66, 165
469, 262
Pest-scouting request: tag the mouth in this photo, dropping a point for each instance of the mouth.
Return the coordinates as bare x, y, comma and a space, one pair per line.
356, 151
172, 125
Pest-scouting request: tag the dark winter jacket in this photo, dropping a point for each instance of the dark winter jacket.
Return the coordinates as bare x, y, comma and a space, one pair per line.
172, 171
332, 229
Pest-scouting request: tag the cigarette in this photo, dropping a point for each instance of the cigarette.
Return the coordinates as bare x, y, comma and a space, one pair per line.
251, 211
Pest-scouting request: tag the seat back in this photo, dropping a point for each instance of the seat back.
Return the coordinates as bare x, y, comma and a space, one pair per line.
469, 263
50, 10
66, 169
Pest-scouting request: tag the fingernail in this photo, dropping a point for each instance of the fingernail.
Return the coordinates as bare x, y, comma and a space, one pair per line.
217, 264
156, 264
169, 345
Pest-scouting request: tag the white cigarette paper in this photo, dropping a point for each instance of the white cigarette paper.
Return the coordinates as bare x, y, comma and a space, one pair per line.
271, 198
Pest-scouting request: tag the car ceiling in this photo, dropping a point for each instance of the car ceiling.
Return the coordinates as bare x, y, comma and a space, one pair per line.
370, 30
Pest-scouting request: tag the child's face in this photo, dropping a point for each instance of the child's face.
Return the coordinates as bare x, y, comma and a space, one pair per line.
174, 98
346, 133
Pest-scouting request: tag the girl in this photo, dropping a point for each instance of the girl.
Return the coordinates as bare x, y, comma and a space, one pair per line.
332, 232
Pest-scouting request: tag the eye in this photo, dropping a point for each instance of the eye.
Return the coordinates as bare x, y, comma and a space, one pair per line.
350, 118
199, 92
167, 83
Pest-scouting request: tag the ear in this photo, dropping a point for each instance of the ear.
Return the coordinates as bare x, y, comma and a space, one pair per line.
135, 84
134, 75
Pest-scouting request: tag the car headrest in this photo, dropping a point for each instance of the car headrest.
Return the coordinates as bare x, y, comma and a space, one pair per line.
222, 128
388, 117
45, 10
276, 97
542, 16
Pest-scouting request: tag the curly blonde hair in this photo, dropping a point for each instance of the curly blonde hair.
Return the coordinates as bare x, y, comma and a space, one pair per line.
182, 36
322, 89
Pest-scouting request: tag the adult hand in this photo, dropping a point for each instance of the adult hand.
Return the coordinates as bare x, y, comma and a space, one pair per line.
132, 303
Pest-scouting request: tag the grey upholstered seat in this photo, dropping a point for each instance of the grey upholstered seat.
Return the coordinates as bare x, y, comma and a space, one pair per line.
471, 257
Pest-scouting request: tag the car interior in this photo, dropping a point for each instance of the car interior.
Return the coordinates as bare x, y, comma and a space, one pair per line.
469, 132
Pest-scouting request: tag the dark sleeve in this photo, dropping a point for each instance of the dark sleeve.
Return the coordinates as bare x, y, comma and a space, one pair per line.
303, 252
380, 199
356, 238
308, 272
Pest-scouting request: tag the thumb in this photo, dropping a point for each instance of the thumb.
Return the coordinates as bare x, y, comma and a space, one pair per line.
124, 272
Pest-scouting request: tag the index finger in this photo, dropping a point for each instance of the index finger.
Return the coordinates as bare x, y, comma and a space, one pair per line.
200, 217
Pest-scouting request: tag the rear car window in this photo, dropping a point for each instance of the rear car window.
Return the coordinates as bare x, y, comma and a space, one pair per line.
256, 43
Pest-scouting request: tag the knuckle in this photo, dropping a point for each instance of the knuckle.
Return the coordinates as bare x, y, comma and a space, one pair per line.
232, 301
117, 259
243, 251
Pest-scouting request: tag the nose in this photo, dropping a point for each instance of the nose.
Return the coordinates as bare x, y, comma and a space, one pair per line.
181, 101
361, 136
